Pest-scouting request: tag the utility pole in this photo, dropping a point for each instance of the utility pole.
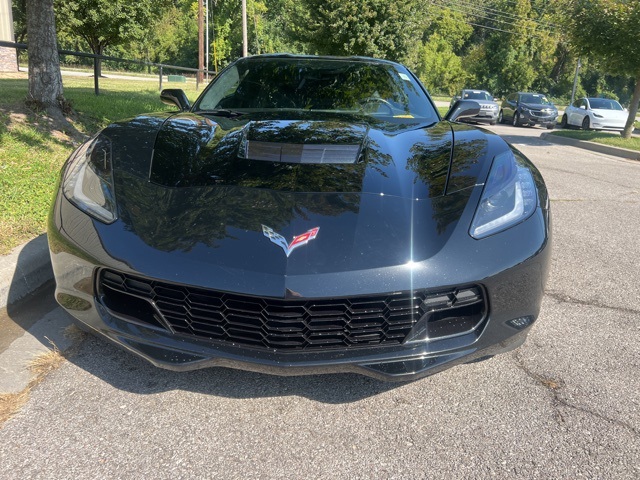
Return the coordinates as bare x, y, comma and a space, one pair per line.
575, 81
200, 43
206, 62
245, 51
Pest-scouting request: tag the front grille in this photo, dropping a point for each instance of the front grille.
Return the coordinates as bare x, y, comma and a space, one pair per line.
291, 324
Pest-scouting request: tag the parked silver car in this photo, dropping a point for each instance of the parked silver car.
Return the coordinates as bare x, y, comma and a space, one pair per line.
488, 107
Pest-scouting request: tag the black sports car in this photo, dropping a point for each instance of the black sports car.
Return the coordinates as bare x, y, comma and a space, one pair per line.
305, 215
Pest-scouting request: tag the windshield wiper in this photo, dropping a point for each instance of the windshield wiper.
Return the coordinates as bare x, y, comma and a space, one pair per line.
222, 112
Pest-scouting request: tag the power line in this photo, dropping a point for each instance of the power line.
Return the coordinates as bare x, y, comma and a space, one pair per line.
511, 23
492, 11
537, 27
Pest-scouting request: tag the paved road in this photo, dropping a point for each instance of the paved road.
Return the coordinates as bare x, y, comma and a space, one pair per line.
564, 405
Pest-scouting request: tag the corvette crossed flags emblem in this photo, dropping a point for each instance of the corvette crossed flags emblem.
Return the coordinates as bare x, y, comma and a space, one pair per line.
297, 241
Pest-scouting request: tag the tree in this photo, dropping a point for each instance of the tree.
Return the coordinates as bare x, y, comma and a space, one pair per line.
608, 30
439, 66
375, 28
45, 81
102, 23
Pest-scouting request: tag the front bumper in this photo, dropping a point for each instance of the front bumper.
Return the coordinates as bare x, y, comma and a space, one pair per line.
514, 287
485, 116
532, 118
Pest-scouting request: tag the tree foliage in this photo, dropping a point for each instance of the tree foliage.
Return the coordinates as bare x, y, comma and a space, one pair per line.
609, 31
375, 28
101, 23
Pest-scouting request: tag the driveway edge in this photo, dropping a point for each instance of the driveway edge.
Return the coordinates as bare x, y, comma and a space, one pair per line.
25, 269
592, 146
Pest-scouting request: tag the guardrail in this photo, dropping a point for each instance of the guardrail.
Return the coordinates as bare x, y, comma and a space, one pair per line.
96, 78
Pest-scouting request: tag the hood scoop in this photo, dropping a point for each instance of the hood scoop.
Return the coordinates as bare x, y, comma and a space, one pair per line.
306, 142
300, 153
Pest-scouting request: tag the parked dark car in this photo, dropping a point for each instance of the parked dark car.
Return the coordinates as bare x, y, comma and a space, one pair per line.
489, 108
305, 215
527, 108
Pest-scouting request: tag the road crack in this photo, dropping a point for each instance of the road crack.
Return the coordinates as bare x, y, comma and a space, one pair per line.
564, 298
554, 386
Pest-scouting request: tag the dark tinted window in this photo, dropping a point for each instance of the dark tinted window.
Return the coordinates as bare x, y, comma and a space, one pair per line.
605, 103
476, 95
328, 85
534, 98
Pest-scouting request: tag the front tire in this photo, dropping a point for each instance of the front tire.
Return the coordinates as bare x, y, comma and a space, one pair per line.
493, 122
516, 119
586, 123
550, 126
563, 122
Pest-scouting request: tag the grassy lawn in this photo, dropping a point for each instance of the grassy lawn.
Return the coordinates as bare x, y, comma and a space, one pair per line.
606, 138
32, 151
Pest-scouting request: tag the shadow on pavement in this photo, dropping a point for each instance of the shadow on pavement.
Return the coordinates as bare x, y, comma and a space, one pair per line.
28, 286
127, 372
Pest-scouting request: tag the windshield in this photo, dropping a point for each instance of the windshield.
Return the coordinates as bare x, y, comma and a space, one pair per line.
317, 84
605, 103
476, 95
535, 98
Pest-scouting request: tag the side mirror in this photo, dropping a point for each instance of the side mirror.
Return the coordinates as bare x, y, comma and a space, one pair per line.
175, 97
462, 109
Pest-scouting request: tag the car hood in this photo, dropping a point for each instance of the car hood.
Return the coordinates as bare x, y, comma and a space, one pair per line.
538, 106
608, 113
399, 201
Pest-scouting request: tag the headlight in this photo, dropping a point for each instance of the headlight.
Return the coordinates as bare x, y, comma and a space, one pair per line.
88, 179
598, 116
509, 197
524, 109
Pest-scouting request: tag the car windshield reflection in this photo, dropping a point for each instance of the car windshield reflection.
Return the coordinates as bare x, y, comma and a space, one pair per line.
328, 85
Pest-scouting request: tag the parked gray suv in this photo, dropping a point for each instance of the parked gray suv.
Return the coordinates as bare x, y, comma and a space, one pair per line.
488, 107
526, 108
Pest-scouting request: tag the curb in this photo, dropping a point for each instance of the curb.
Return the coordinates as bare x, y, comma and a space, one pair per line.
592, 146
25, 269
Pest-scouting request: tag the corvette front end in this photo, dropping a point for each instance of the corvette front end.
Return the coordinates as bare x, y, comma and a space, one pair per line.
301, 242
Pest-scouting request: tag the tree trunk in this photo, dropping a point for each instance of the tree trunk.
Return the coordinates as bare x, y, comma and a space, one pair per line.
99, 51
45, 81
633, 110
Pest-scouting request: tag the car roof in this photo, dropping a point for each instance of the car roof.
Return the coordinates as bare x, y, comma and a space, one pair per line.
354, 58
600, 98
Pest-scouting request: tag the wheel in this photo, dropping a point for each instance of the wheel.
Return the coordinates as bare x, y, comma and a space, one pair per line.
586, 123
492, 122
563, 122
516, 119
550, 126
370, 100
500, 117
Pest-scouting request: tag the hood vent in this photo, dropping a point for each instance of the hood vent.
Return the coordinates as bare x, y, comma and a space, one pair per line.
300, 153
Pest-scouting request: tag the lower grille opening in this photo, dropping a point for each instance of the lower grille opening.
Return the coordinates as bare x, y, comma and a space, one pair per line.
131, 308
281, 324
455, 321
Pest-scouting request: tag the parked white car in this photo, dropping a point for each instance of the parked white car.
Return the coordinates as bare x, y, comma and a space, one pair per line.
595, 113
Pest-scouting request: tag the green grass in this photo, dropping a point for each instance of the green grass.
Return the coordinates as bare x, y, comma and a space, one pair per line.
613, 139
32, 151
